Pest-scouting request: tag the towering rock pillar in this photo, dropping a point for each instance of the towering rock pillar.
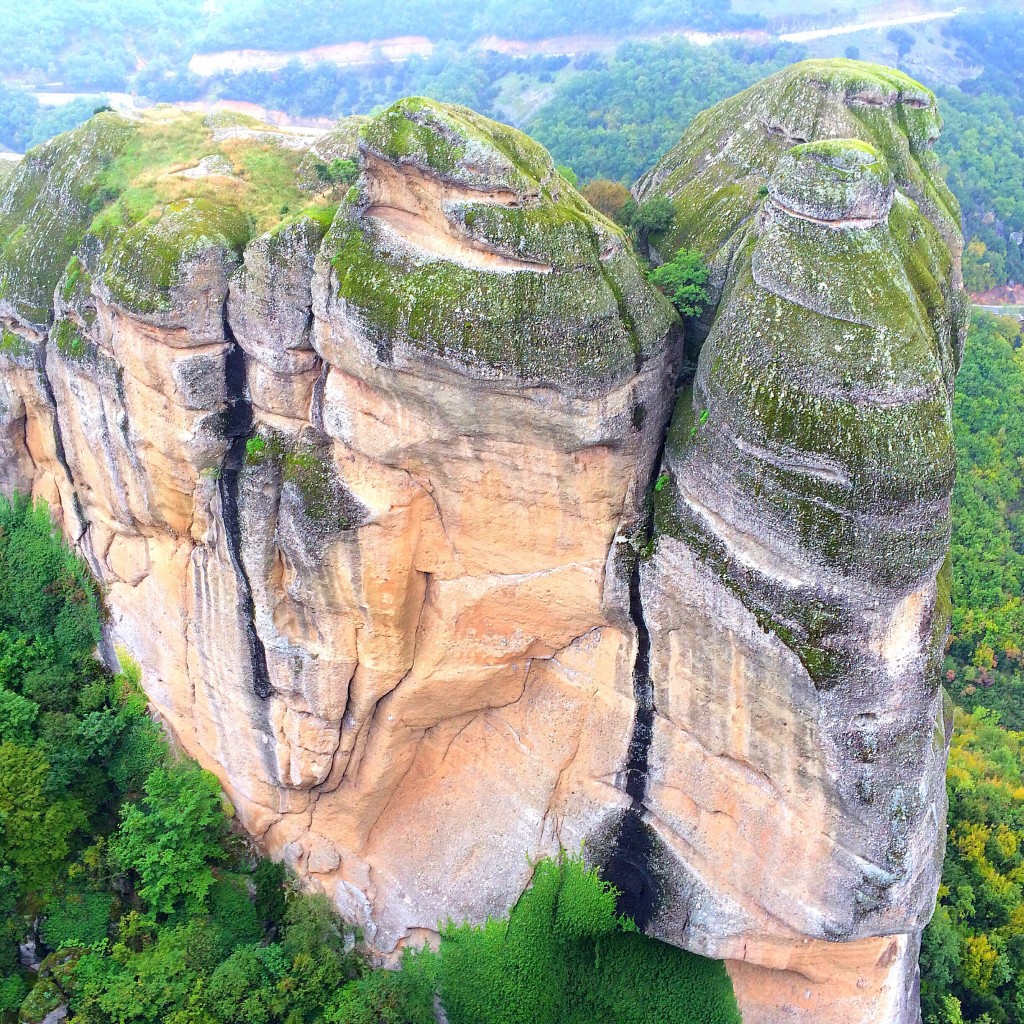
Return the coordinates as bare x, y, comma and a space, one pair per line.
368, 474
798, 593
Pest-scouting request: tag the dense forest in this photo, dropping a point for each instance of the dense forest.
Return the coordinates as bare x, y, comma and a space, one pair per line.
972, 956
298, 24
985, 666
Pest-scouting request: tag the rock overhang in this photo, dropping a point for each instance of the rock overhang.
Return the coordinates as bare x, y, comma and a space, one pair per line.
461, 241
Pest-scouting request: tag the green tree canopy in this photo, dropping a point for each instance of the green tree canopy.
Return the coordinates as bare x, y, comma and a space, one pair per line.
683, 279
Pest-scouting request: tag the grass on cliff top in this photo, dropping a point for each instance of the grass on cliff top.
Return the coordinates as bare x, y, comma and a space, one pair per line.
259, 179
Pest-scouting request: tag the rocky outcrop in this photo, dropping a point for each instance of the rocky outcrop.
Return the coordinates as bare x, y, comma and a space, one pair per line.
368, 474
797, 594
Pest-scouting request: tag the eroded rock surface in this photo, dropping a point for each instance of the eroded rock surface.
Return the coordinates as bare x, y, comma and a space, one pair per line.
797, 595
367, 473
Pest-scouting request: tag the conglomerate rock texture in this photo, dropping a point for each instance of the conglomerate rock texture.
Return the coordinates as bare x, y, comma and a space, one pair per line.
368, 473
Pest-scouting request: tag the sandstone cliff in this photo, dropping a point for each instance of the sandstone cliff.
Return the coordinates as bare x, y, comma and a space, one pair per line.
367, 475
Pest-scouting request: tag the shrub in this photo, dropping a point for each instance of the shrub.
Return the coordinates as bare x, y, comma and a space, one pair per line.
78, 919
172, 838
650, 218
683, 280
565, 957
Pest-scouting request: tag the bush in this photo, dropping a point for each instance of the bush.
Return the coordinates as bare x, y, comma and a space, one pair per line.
565, 957
683, 280
77, 919
650, 218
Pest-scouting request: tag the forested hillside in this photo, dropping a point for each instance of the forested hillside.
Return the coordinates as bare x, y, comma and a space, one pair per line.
986, 663
972, 957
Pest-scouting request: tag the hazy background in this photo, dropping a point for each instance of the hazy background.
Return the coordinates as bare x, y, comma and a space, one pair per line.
606, 85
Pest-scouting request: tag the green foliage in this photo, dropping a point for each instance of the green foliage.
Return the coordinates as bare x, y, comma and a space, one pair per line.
172, 839
68, 733
651, 218
569, 174
565, 957
683, 280
78, 918
986, 663
37, 830
405, 996
614, 118
982, 144
255, 449
972, 956
337, 172
269, 879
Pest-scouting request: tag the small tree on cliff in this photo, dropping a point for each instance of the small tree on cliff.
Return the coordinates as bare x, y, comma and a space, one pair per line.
683, 280
650, 218
171, 839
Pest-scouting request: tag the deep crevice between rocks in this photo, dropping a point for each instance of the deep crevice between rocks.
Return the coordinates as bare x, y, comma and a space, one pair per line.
630, 863
238, 423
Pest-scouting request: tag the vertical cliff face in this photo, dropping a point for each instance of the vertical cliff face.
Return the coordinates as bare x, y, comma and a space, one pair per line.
367, 473
798, 596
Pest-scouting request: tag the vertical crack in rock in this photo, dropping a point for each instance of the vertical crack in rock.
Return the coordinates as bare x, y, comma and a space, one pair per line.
238, 421
58, 442
630, 864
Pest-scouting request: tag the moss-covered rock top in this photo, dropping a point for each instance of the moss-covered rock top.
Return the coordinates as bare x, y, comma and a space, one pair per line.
136, 199
834, 180
458, 144
460, 240
819, 420
719, 172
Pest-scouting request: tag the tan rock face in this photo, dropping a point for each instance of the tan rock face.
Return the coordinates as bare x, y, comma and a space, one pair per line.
366, 492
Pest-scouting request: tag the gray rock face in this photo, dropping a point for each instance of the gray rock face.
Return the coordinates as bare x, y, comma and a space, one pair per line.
798, 594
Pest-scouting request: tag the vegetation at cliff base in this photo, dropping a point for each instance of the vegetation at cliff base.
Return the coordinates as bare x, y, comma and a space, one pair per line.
564, 957
985, 663
122, 871
117, 859
972, 956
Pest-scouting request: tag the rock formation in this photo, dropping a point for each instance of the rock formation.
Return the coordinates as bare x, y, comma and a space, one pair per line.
368, 474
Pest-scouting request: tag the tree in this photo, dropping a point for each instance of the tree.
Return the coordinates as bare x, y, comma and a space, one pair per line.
607, 197
650, 218
683, 280
172, 837
35, 829
568, 174
903, 40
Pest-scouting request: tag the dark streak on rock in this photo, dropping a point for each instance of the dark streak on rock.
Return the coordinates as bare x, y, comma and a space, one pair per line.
238, 426
630, 863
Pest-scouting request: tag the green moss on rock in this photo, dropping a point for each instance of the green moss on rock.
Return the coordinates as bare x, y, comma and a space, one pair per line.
566, 301
46, 210
140, 264
131, 200
69, 340
811, 103
829, 363
457, 143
